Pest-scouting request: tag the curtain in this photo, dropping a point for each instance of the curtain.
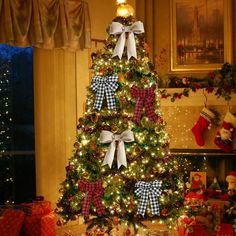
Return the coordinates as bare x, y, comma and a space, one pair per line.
45, 23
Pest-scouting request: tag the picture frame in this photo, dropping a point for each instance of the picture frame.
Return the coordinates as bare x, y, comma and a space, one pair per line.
201, 34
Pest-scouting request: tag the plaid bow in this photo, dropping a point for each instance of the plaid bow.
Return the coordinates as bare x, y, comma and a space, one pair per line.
105, 86
144, 97
95, 191
148, 191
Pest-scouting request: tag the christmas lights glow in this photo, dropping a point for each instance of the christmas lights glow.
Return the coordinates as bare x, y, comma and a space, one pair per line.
148, 158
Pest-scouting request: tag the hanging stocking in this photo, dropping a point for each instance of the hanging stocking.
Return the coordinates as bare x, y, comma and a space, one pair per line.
224, 136
202, 124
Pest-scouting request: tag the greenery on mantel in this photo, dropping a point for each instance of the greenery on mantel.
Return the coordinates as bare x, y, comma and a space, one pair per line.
220, 82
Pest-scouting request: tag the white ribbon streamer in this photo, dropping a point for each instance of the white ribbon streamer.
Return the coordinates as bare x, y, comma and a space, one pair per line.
109, 137
118, 28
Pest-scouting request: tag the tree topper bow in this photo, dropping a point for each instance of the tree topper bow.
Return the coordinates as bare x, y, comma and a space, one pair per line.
118, 28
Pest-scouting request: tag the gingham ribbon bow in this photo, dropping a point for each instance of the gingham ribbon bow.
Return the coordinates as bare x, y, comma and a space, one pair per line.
105, 86
144, 97
148, 192
92, 191
109, 137
118, 28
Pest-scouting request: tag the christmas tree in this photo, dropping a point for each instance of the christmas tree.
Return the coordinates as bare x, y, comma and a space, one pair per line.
121, 169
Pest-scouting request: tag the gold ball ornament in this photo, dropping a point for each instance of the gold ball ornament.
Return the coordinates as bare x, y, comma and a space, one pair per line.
104, 184
145, 59
124, 10
114, 128
144, 80
157, 130
86, 175
116, 179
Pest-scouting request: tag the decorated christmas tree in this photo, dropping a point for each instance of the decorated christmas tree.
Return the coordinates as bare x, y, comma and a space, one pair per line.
121, 169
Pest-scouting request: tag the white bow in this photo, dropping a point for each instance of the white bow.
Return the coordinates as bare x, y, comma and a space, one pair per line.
118, 28
109, 137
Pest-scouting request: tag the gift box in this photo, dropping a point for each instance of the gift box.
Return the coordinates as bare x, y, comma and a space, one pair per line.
194, 198
200, 230
38, 207
39, 225
11, 222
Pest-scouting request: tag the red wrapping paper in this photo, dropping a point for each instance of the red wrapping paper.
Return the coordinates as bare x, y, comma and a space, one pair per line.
38, 207
199, 230
11, 222
39, 225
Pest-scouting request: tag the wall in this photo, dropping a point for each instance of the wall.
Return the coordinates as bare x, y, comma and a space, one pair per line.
157, 19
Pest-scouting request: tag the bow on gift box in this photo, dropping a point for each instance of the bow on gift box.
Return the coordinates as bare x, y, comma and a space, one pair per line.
118, 28
109, 137
105, 86
148, 192
144, 97
95, 191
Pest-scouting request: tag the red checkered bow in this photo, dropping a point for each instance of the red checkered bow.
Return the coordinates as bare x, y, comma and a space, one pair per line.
95, 191
144, 97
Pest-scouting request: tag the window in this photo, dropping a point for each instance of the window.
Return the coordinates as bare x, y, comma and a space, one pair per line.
17, 164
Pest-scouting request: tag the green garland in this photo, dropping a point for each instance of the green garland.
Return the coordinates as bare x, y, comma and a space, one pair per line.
222, 82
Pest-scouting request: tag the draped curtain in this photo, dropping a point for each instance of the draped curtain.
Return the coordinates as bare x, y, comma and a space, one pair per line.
45, 23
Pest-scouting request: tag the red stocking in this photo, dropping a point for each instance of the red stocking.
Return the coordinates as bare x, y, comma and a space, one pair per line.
224, 136
202, 124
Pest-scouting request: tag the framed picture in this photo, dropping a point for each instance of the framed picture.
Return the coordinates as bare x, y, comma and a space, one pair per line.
198, 180
200, 34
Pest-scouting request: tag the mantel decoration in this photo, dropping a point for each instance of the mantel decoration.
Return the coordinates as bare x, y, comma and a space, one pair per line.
220, 82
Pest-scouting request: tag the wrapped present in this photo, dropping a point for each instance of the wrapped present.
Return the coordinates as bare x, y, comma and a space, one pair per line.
200, 230
39, 225
195, 199
38, 208
11, 222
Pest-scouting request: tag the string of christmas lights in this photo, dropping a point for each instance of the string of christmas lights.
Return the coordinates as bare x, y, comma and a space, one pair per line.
7, 178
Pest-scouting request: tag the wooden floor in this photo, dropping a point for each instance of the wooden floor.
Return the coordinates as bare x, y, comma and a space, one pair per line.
78, 229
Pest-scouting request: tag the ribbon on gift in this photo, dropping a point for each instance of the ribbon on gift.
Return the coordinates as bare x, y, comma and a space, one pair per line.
148, 192
118, 28
105, 86
109, 137
93, 192
186, 224
144, 97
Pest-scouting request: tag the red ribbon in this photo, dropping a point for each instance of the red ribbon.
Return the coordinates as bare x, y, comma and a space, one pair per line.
144, 97
93, 191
